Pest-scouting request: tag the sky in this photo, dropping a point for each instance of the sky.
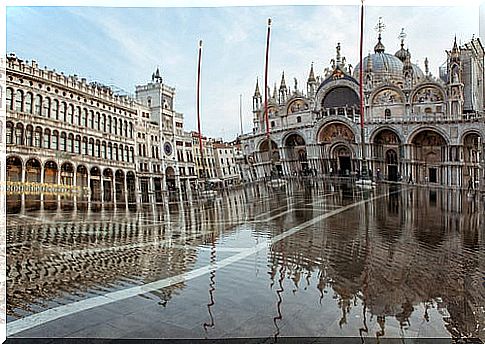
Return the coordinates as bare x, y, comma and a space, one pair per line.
122, 46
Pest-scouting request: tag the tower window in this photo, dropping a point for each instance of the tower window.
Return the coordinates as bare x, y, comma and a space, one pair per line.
387, 113
298, 119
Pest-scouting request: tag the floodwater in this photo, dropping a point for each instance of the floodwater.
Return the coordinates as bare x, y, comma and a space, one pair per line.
311, 259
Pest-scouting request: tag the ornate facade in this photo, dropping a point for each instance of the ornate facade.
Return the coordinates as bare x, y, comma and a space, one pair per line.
417, 126
73, 142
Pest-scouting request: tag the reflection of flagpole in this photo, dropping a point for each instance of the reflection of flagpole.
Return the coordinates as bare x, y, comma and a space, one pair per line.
198, 109
362, 133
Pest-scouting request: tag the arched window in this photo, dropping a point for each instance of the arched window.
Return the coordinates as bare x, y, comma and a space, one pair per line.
70, 114
38, 137
47, 107
9, 98
98, 149
62, 142
428, 111
77, 116
121, 127
55, 109
126, 129
139, 150
131, 130
387, 113
91, 119
115, 152
91, 147
77, 145
47, 138
127, 154
19, 134
298, 119
115, 126
9, 133
84, 118
19, 101
70, 143
96, 121
28, 102
103, 123
120, 152
28, 135
38, 105
62, 111
109, 124
110, 151
85, 146
55, 140
132, 159
103, 152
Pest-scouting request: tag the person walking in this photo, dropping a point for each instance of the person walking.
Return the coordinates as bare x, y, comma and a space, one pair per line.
470, 184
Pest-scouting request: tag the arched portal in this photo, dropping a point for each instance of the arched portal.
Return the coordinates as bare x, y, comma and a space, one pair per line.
429, 151
108, 185
296, 155
342, 158
269, 153
14, 175
131, 187
33, 171
120, 186
95, 184
50, 172
386, 145
67, 174
170, 178
342, 101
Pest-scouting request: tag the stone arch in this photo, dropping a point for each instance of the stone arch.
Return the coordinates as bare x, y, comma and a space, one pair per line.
429, 150
131, 186
82, 177
295, 153
296, 105
107, 185
341, 157
95, 183
120, 186
385, 136
170, 178
67, 173
50, 172
33, 170
386, 95
338, 99
427, 93
470, 141
14, 166
335, 130
434, 130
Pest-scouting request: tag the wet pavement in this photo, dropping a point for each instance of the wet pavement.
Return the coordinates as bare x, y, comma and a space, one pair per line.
311, 259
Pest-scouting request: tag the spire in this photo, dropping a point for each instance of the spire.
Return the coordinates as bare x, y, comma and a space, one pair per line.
455, 52
401, 53
283, 83
275, 92
379, 48
256, 91
156, 76
311, 77
337, 57
407, 66
426, 67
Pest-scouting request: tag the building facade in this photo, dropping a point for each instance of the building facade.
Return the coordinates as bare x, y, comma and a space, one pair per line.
417, 126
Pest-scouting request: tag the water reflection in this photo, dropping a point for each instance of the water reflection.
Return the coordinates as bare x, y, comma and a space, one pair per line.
381, 268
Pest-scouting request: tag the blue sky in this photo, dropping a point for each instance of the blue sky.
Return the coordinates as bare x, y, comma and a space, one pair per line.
123, 46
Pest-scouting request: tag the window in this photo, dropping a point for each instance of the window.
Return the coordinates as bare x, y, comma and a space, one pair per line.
47, 107
96, 121
115, 126
127, 154
115, 152
38, 137
387, 114
19, 101
9, 132
104, 150
132, 155
298, 119
28, 135
38, 105
103, 123
28, 102
77, 116
55, 140
109, 124
120, 152
84, 118
98, 149
91, 119
9, 99
110, 151
47, 138
62, 142
70, 143
91, 147
77, 145
55, 109
19, 134
272, 124
131, 130
85, 146
126, 129
70, 114
62, 111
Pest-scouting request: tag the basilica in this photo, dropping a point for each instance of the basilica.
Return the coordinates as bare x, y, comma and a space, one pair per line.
417, 127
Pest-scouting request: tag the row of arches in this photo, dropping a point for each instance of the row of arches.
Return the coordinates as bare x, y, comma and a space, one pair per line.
425, 157
26, 102
105, 185
67, 142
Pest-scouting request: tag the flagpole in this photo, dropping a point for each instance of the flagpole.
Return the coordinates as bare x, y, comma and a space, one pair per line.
240, 113
266, 80
362, 132
198, 109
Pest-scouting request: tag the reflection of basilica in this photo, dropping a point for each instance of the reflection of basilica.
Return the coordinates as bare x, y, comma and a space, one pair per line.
417, 124
415, 251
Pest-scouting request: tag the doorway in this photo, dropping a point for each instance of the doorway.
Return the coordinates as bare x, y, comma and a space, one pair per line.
345, 165
433, 175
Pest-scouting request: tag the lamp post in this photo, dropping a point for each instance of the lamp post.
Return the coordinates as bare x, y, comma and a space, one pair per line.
364, 174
